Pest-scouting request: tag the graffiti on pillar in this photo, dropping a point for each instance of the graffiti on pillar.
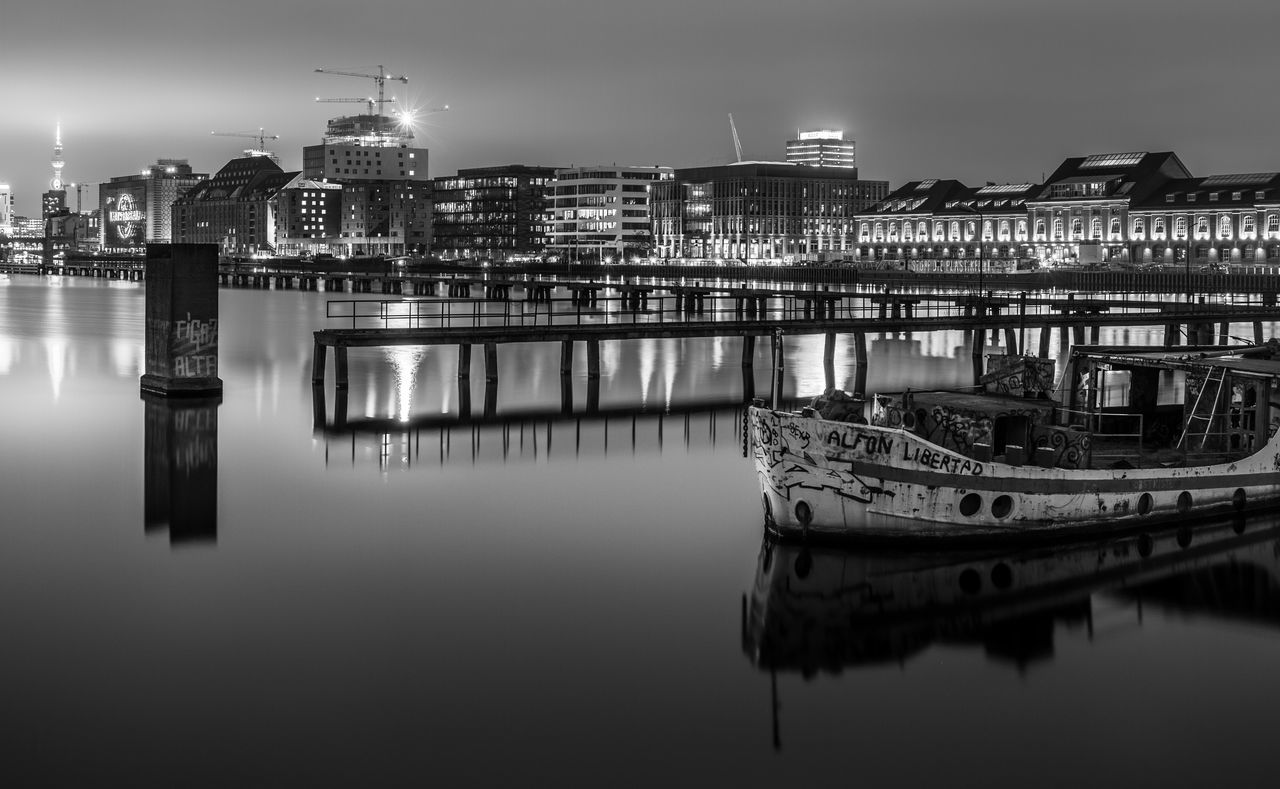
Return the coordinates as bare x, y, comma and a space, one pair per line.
193, 346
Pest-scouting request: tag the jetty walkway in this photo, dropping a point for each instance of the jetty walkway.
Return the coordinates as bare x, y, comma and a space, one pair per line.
586, 316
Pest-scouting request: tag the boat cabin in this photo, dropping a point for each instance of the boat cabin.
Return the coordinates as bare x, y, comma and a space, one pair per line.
1115, 407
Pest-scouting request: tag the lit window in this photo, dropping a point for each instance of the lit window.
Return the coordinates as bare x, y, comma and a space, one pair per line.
1246, 224
1224, 227
1273, 223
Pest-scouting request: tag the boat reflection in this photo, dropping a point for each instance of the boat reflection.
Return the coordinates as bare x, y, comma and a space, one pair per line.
823, 609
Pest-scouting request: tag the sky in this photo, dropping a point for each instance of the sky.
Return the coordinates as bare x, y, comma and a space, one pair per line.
978, 90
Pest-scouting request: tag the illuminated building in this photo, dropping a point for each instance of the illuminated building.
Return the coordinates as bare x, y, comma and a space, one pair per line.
601, 212
1133, 208
235, 208
385, 217
137, 209
822, 148
760, 212
496, 213
386, 192
942, 219
365, 148
308, 217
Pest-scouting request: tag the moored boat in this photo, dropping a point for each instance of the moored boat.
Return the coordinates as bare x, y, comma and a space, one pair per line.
1132, 436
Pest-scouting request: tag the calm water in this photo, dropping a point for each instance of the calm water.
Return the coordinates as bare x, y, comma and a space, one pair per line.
550, 600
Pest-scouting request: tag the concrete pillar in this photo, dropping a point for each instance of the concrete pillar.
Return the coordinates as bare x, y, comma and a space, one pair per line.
318, 356
593, 359
566, 357
182, 320
340, 375
491, 362
464, 361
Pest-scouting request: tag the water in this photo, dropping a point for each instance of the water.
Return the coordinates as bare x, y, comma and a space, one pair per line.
543, 599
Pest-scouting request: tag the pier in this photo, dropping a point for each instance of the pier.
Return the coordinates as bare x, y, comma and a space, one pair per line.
749, 314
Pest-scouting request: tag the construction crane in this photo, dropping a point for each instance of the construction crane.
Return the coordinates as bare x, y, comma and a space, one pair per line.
379, 79
260, 135
355, 100
737, 145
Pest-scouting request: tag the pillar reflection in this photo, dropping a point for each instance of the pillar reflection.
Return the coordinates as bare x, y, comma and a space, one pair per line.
181, 468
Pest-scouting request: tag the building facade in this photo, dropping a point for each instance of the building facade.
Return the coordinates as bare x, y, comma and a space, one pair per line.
492, 213
601, 214
1129, 208
760, 212
386, 218
365, 148
308, 217
822, 148
137, 209
235, 208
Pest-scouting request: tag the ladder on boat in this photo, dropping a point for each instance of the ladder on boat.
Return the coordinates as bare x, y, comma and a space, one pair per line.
1204, 408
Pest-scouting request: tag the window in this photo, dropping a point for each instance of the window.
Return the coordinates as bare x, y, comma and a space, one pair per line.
1237, 195
1180, 227
1115, 226
1202, 226
1170, 197
1157, 225
1077, 228
1004, 230
923, 231
1224, 227
1246, 224
955, 230
1191, 197
1213, 197
1273, 223
1138, 226
1057, 229
1040, 228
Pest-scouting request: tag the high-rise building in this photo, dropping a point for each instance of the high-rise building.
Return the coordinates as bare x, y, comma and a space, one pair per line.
137, 209
308, 217
822, 148
365, 148
597, 213
498, 213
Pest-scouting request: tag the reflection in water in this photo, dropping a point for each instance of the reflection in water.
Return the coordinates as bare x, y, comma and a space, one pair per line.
824, 609
181, 483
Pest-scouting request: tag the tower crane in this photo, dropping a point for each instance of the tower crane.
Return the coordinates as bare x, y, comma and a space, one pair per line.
379, 79
260, 135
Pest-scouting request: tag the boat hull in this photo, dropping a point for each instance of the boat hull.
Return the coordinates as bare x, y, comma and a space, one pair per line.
819, 477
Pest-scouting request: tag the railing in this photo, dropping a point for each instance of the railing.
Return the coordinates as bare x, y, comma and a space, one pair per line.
1096, 423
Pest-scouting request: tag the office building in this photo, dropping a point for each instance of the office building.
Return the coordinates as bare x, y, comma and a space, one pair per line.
309, 217
822, 148
601, 213
6, 210
365, 148
760, 212
492, 213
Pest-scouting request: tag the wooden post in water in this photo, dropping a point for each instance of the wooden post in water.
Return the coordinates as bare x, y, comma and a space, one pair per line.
593, 359
182, 320
566, 357
464, 362
1046, 333
860, 361
491, 362
318, 356
828, 360
340, 379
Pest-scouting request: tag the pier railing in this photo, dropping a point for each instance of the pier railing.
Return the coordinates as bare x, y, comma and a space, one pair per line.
702, 307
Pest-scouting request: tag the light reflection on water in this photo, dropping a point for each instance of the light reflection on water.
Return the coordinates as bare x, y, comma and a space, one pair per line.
538, 596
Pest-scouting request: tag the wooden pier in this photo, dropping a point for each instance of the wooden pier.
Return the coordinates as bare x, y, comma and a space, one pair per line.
749, 315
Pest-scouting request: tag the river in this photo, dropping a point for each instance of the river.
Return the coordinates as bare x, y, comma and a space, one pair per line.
545, 600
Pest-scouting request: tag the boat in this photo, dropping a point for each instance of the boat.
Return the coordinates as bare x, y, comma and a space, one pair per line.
1133, 435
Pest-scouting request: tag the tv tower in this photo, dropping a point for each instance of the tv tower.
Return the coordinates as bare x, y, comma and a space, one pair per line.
56, 184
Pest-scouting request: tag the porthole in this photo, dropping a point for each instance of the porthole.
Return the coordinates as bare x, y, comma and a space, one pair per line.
970, 505
970, 581
1002, 506
804, 513
1145, 503
1184, 501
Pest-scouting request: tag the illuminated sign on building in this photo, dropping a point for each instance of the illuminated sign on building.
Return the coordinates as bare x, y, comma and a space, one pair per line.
127, 224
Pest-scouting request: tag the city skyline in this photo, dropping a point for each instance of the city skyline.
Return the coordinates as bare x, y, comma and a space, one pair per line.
976, 91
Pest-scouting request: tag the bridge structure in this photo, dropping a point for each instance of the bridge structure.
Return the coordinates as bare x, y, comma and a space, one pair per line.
587, 317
